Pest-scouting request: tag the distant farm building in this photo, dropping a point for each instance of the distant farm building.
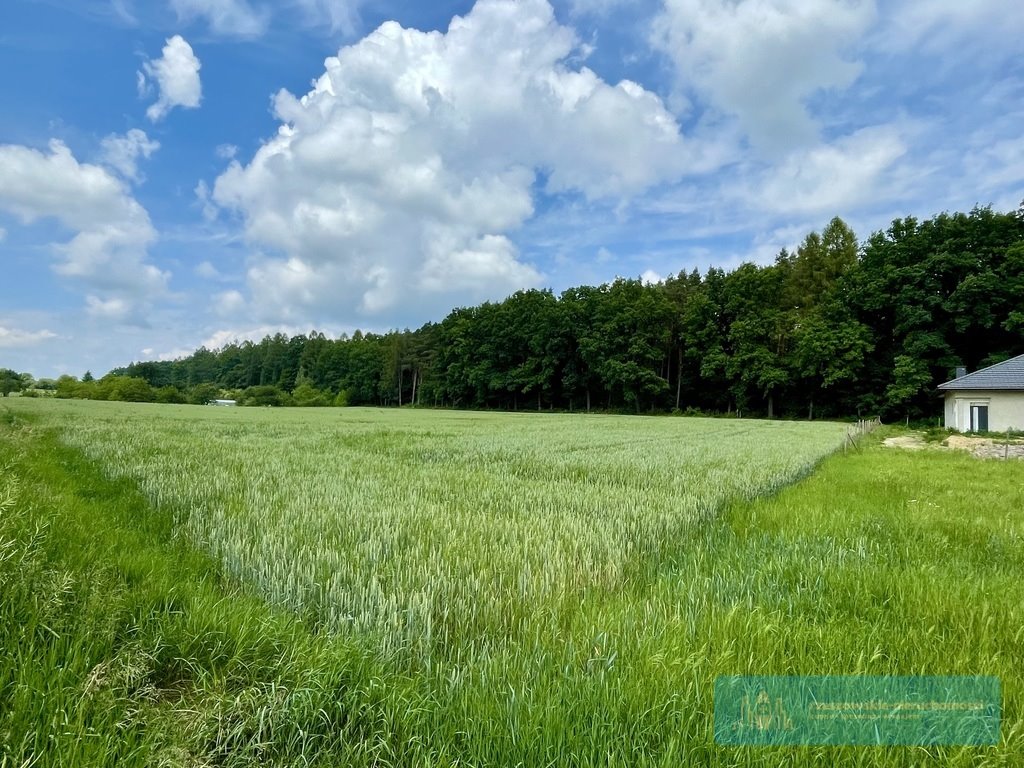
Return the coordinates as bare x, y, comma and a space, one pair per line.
989, 400
222, 402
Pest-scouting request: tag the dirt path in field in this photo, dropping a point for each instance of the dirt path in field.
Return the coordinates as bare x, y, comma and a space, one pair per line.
981, 447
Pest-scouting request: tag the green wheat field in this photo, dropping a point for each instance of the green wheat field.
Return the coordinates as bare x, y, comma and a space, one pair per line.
199, 586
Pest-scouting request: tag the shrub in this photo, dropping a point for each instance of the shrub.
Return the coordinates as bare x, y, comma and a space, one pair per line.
169, 394
266, 394
308, 396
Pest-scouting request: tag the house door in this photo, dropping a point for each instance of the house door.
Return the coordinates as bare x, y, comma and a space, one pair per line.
979, 418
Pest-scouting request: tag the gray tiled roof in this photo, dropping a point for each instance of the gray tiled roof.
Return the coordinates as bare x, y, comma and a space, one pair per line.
1006, 375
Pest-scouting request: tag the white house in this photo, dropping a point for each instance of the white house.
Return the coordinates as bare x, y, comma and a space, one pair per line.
989, 400
222, 402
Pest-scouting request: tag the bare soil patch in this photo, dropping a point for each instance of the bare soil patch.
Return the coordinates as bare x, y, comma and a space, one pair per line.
908, 442
981, 447
985, 447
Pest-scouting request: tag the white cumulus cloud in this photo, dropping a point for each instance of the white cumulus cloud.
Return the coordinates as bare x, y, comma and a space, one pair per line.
403, 174
850, 173
650, 277
108, 252
761, 60
176, 75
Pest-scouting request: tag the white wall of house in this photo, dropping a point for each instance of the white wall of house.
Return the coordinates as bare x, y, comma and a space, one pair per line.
1005, 409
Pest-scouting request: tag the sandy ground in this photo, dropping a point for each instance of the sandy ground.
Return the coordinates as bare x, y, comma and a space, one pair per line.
907, 442
982, 447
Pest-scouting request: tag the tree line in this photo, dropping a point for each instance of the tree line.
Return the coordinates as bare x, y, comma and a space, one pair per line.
834, 329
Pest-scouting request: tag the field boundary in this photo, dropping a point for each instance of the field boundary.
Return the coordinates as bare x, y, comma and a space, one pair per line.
856, 432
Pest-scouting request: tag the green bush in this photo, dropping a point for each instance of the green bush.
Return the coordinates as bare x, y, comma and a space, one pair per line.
201, 394
307, 396
169, 394
70, 388
265, 395
127, 389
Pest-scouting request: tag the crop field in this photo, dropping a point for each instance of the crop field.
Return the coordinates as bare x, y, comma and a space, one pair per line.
533, 589
441, 534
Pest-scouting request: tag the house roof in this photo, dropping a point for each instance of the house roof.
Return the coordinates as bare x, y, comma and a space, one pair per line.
1008, 374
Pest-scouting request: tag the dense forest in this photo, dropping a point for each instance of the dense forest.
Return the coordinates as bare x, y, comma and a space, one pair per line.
835, 329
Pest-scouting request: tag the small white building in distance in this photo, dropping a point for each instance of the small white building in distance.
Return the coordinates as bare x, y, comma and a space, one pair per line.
221, 402
989, 400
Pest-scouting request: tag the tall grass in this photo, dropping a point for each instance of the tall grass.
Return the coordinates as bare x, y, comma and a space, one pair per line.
498, 590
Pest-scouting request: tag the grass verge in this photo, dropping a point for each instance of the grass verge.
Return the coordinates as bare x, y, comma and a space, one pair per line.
121, 646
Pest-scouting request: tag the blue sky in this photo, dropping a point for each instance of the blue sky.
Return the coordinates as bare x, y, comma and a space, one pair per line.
177, 173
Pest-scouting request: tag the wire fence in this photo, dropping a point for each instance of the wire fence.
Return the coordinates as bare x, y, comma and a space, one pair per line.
857, 431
